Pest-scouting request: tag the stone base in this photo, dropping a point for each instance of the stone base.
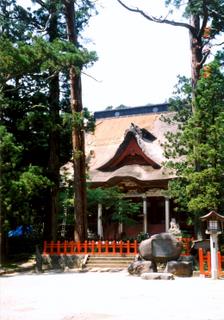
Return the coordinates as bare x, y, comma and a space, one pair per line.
139, 267
58, 262
180, 268
157, 276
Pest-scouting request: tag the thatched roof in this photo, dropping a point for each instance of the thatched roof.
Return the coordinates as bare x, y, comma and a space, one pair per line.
127, 147
111, 138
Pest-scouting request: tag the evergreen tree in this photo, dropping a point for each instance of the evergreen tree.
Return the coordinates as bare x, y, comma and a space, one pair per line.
78, 142
20, 187
33, 62
203, 19
199, 189
196, 157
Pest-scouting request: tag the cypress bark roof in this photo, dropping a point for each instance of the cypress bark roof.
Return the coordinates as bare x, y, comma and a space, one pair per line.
128, 146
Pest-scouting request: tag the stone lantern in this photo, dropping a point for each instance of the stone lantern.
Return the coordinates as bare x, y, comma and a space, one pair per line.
214, 227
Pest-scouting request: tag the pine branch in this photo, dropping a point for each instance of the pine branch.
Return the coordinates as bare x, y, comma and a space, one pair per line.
88, 75
40, 2
217, 44
205, 18
159, 20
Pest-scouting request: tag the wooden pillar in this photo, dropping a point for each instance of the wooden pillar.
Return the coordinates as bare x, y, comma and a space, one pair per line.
167, 214
120, 228
145, 222
99, 221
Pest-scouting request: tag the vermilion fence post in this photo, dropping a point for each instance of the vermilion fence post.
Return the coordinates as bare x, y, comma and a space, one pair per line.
201, 261
219, 262
92, 246
128, 247
114, 246
85, 247
135, 247
99, 247
72, 246
209, 262
106, 247
52, 247
65, 247
58, 247
78, 247
120, 243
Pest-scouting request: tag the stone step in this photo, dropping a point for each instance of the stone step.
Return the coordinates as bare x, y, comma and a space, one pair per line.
109, 261
108, 257
117, 269
114, 260
106, 265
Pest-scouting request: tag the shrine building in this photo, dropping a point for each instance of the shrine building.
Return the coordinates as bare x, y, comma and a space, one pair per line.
126, 151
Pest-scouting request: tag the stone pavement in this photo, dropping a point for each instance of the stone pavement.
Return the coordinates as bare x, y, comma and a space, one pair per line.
26, 266
112, 296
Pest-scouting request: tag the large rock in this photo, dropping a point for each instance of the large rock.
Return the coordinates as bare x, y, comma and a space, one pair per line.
196, 244
139, 267
58, 262
160, 247
180, 268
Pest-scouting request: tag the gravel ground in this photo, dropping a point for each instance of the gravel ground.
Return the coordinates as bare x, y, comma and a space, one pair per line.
109, 296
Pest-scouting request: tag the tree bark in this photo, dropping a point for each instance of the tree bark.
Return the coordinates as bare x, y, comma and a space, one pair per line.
78, 140
3, 241
196, 55
54, 136
196, 27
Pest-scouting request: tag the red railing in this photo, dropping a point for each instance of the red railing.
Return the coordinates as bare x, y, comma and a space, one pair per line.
91, 247
205, 263
101, 247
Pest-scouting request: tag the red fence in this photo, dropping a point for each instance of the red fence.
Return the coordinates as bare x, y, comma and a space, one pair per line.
205, 263
91, 247
101, 247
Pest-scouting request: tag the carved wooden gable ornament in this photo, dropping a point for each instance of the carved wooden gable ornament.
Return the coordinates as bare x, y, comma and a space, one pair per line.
134, 149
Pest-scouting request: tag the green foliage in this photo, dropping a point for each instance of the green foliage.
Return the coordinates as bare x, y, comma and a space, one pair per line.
199, 186
105, 196
115, 207
112, 199
19, 186
39, 56
34, 60
82, 120
142, 236
215, 10
14, 20
125, 210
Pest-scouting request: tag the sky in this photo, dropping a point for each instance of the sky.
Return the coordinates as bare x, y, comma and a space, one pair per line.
138, 60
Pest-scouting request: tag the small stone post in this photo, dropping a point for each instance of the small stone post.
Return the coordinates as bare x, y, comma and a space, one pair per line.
99, 221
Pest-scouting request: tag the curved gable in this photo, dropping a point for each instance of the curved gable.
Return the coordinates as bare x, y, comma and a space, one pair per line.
132, 150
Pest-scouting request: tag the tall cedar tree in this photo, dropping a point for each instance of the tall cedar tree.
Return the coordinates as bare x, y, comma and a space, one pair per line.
204, 21
200, 140
78, 142
55, 130
29, 101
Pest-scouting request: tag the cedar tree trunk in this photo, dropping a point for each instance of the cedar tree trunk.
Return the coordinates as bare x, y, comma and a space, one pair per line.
54, 135
78, 142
